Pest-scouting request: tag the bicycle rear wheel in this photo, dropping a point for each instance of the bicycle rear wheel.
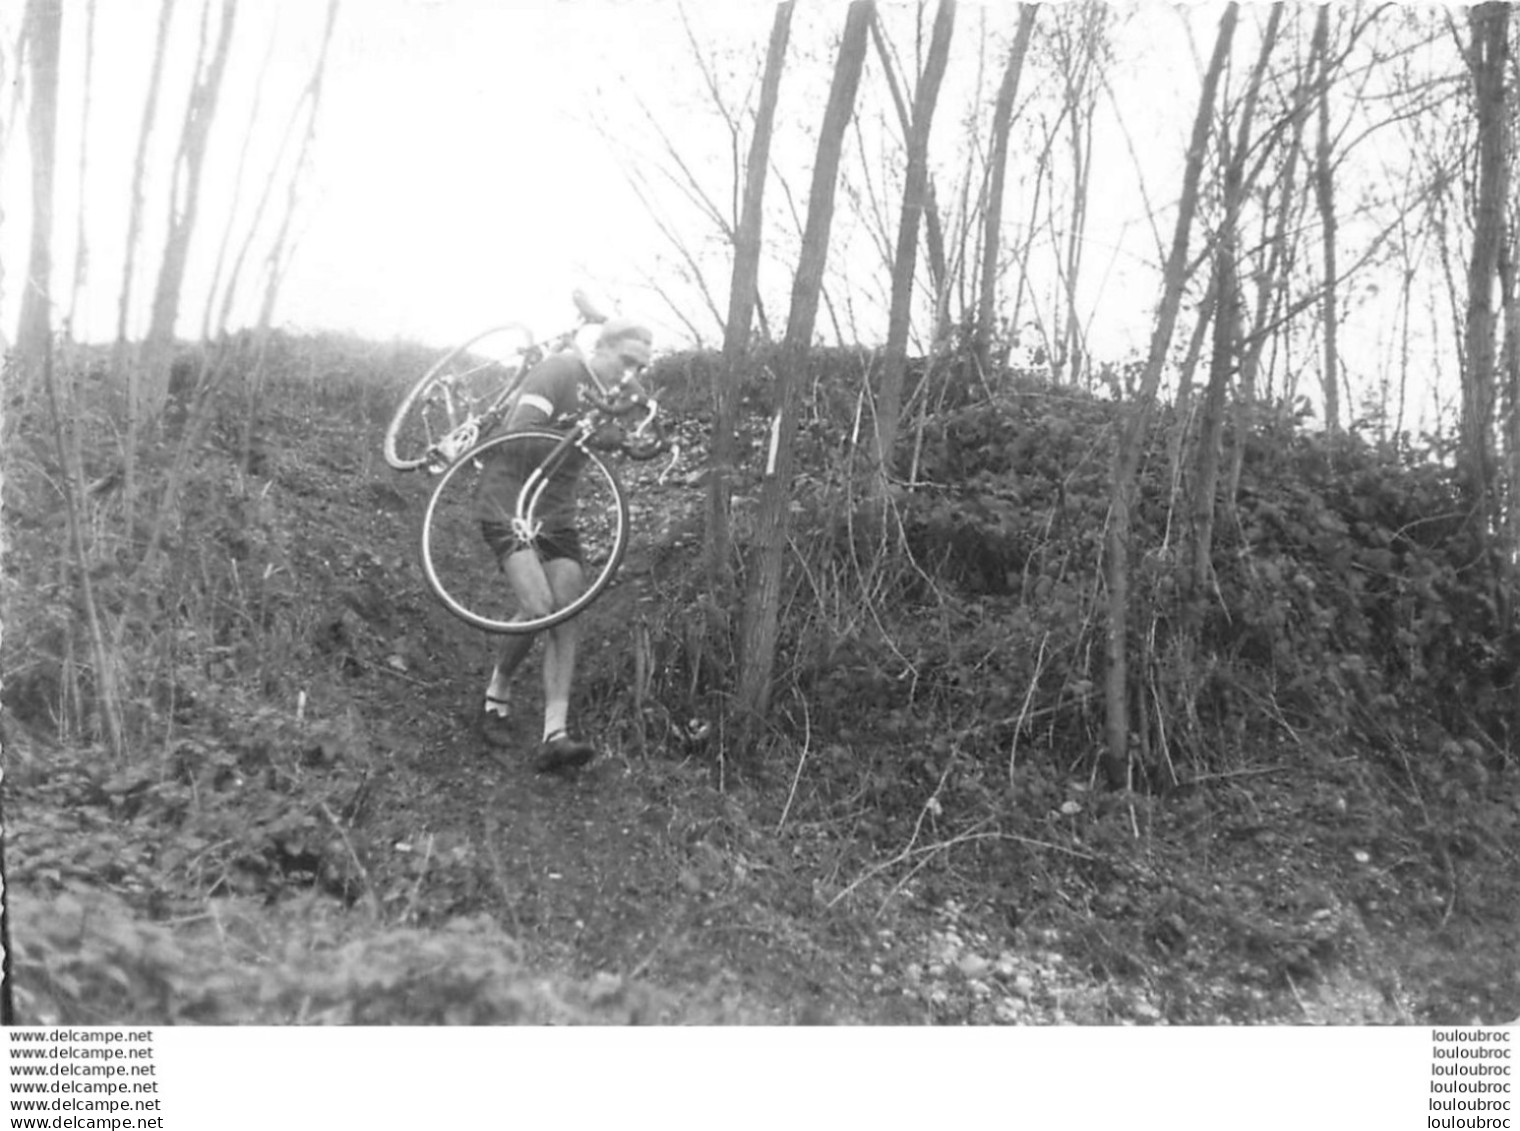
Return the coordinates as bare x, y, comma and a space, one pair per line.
463, 571
459, 387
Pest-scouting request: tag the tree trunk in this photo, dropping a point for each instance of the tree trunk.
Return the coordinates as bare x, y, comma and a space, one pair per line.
122, 373
1132, 438
280, 250
81, 243
222, 288
7, 967
1211, 420
1487, 60
1226, 349
1272, 281
1324, 192
895, 362
214, 371
1076, 49
1073, 346
934, 235
997, 168
742, 295
1183, 409
44, 19
200, 112
1509, 378
135, 210
107, 694
763, 601
277, 258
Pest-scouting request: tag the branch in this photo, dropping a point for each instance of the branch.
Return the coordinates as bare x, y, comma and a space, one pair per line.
696, 275
734, 131
692, 189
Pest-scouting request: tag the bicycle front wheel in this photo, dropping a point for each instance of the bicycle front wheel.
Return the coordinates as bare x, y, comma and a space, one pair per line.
463, 571
462, 385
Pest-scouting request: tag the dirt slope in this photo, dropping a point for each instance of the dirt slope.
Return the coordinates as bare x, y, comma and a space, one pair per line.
1302, 895
1245, 905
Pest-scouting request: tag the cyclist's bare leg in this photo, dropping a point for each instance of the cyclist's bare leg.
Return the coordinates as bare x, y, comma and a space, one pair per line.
566, 581
513, 653
542, 587
525, 574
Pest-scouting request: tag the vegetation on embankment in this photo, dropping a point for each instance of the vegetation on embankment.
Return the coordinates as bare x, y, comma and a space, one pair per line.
1324, 767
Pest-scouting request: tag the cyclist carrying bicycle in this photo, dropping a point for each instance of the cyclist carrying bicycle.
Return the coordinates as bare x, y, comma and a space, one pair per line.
546, 572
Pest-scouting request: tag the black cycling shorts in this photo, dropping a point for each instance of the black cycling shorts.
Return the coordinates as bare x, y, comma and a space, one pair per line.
561, 543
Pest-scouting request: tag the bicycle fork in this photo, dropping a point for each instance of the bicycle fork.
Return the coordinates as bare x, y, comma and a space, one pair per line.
525, 527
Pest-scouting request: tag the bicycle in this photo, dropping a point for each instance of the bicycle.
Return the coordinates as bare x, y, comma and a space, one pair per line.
467, 392
461, 572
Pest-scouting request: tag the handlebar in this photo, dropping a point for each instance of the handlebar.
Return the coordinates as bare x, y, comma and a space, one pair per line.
648, 438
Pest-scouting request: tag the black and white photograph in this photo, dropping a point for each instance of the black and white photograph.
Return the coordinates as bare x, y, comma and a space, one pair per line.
812, 522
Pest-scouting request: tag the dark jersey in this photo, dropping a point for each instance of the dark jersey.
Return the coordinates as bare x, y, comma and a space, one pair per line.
550, 393
548, 399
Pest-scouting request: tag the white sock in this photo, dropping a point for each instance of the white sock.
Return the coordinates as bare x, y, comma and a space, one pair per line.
497, 690
554, 720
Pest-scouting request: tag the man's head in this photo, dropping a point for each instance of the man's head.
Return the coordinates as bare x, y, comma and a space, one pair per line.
628, 339
622, 351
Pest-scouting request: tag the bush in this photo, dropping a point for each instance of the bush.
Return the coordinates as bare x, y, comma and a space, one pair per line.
84, 957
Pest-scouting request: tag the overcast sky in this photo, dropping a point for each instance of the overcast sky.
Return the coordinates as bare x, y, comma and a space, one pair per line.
471, 156
461, 174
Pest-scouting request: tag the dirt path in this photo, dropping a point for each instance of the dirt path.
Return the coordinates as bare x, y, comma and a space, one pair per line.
607, 873
635, 868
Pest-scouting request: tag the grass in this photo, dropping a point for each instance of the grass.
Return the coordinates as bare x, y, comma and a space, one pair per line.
302, 831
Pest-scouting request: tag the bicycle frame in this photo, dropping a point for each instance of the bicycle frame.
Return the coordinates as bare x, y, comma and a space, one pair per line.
524, 526
472, 591
459, 440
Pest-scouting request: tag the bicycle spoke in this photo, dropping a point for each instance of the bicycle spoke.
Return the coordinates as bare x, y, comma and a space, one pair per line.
465, 383
463, 570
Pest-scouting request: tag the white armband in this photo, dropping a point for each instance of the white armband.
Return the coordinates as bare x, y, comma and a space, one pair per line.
543, 404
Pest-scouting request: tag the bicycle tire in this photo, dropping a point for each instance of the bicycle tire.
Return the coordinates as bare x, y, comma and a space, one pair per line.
459, 387
464, 574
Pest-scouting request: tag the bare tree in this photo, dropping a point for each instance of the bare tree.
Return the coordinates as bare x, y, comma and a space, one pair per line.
997, 172
1226, 313
214, 371
1078, 40
1324, 193
1509, 377
742, 294
223, 286
200, 113
1273, 277
5, 122
1132, 436
136, 203
763, 600
40, 39
934, 238
1041, 198
895, 360
44, 19
678, 177
81, 242
281, 248
1488, 51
